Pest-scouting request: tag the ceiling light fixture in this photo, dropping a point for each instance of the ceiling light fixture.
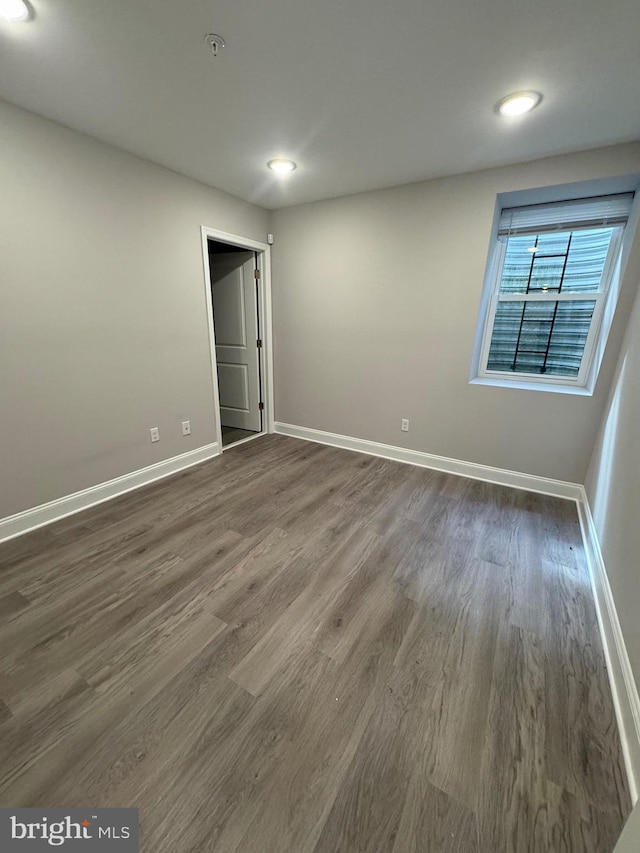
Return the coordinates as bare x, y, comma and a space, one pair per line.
518, 103
14, 10
281, 166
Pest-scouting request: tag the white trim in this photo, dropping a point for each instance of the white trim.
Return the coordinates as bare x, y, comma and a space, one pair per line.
550, 296
621, 679
533, 379
235, 239
266, 323
515, 479
39, 516
208, 301
499, 380
267, 341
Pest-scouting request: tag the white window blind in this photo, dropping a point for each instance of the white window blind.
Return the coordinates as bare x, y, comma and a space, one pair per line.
599, 212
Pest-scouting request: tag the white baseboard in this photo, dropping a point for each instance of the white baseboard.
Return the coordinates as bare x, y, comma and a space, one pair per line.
39, 516
621, 679
515, 479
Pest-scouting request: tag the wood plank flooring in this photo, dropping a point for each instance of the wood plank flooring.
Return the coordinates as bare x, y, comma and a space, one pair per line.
298, 649
232, 434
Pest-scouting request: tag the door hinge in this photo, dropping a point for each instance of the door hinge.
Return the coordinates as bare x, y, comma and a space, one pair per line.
259, 343
261, 407
256, 274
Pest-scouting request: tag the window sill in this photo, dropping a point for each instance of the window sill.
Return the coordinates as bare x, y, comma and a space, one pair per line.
524, 385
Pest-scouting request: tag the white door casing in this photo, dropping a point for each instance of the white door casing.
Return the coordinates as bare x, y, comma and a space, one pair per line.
235, 318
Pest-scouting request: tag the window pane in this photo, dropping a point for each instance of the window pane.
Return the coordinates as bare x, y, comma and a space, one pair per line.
546, 274
548, 261
517, 265
546, 338
561, 262
555, 243
586, 260
569, 337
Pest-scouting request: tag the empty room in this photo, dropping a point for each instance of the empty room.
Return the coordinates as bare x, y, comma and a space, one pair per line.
320, 447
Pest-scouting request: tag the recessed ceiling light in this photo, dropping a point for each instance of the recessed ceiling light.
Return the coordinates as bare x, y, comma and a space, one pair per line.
14, 10
518, 103
282, 167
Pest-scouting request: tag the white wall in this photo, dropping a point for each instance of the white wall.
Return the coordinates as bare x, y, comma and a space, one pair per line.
376, 301
613, 489
103, 330
629, 841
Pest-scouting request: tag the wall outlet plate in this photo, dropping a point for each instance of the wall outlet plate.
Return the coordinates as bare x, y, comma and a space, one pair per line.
155, 434
404, 425
186, 427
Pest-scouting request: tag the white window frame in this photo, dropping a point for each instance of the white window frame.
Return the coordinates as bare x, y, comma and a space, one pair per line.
593, 339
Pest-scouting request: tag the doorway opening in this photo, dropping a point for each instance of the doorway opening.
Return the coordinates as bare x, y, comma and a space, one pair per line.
239, 323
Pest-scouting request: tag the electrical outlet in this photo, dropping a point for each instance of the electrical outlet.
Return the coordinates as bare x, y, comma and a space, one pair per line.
404, 425
186, 427
155, 434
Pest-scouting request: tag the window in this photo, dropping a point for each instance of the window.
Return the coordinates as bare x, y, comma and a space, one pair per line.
553, 266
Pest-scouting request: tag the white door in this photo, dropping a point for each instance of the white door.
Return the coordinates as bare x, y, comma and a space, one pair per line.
235, 320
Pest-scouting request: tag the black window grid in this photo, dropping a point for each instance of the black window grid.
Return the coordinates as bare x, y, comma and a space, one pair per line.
552, 321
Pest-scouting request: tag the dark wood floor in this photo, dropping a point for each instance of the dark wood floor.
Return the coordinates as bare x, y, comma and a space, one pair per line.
232, 434
294, 648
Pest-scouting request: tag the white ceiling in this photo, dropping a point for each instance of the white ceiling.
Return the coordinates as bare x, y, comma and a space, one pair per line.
361, 93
